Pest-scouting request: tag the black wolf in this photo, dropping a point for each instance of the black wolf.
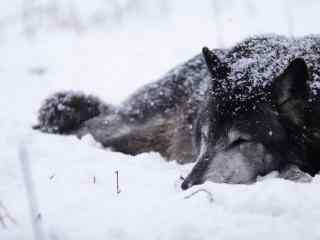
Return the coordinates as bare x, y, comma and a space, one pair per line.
238, 112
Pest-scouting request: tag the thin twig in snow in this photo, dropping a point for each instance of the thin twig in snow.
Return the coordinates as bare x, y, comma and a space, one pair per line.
30, 193
118, 188
209, 194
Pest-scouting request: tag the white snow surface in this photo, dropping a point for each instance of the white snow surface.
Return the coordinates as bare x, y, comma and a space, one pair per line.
75, 180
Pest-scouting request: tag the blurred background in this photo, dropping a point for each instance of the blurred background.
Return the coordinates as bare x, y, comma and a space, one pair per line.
102, 46
36, 17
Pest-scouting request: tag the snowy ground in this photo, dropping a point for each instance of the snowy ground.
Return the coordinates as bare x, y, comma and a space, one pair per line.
75, 181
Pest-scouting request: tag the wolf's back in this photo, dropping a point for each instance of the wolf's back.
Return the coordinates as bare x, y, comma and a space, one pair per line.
253, 64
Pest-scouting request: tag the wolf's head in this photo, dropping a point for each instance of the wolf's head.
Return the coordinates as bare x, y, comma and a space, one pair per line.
238, 138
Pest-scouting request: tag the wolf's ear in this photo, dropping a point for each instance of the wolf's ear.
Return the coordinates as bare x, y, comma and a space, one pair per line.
290, 92
217, 69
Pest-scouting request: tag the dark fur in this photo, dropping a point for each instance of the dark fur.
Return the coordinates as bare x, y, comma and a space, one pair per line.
251, 90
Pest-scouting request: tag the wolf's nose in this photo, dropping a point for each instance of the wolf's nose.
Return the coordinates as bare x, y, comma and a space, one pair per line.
185, 185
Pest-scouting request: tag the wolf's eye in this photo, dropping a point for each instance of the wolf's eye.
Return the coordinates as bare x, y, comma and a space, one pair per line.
238, 141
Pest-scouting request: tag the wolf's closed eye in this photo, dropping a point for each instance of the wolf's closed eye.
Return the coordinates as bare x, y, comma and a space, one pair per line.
238, 141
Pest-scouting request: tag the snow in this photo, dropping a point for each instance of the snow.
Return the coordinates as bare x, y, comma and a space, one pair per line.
75, 181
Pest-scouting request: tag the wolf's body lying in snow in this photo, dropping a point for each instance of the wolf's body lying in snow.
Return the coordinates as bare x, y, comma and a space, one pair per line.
238, 112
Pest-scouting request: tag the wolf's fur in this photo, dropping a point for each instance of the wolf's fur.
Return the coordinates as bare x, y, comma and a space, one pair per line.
193, 113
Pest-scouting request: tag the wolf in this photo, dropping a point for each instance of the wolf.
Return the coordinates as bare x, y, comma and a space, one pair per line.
237, 112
